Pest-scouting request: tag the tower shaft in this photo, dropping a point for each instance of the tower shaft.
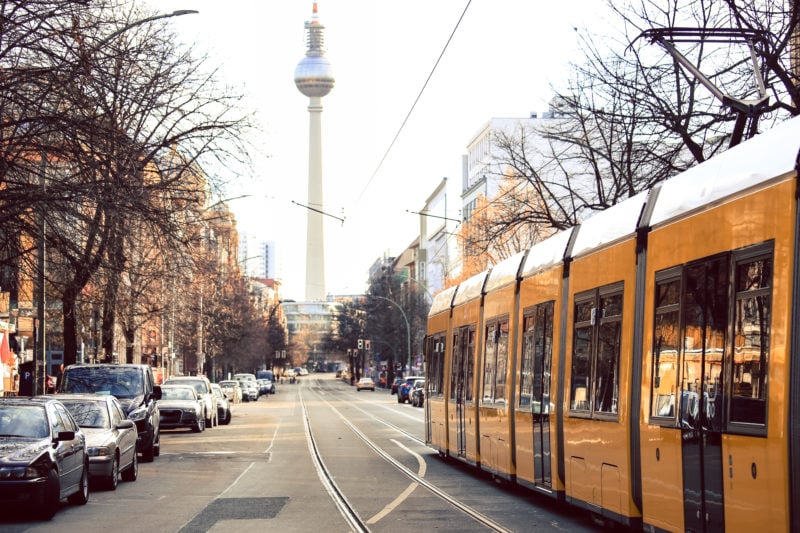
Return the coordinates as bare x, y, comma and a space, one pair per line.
315, 243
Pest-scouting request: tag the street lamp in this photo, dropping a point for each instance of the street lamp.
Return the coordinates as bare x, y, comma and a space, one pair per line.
176, 13
408, 327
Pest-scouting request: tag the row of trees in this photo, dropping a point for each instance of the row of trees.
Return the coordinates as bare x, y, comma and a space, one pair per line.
630, 116
111, 133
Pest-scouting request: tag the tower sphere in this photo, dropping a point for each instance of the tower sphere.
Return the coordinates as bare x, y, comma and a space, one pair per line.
314, 76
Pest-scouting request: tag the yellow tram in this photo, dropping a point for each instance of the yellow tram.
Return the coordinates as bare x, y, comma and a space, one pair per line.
640, 365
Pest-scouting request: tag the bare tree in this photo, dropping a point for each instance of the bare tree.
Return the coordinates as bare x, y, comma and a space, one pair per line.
127, 98
630, 116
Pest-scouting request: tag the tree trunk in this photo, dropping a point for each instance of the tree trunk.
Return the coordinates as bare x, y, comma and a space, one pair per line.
68, 300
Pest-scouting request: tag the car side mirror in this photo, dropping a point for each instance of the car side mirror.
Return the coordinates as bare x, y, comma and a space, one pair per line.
126, 424
64, 435
156, 392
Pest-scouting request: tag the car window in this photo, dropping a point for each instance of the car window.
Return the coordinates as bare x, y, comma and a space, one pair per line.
23, 421
61, 421
88, 414
119, 381
117, 414
177, 393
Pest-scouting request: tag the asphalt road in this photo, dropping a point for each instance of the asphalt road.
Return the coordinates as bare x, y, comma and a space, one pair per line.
316, 456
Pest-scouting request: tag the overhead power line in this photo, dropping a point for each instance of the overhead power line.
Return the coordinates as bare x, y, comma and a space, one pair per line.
419, 95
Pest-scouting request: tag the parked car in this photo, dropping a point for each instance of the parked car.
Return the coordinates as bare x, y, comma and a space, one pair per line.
42, 456
203, 388
135, 388
232, 390
110, 437
418, 393
265, 386
404, 389
223, 405
395, 384
249, 390
365, 384
181, 407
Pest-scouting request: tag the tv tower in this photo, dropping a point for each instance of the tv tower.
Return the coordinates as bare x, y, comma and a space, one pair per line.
314, 78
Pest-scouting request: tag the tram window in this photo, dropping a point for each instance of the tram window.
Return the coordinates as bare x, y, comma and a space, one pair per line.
596, 349
666, 337
534, 388
751, 341
495, 362
606, 380
435, 380
470, 377
526, 378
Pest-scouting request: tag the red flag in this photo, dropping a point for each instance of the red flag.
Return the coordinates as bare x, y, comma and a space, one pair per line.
5, 351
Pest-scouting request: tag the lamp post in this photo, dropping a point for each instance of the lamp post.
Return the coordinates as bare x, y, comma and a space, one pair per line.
408, 326
176, 13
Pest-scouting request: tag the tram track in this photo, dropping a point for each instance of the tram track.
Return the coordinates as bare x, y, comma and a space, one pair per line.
386, 456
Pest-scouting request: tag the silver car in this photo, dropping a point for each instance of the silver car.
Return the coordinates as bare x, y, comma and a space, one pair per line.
110, 436
181, 407
203, 388
223, 405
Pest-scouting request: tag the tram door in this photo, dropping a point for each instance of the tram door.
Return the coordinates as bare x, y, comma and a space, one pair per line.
461, 386
705, 323
537, 358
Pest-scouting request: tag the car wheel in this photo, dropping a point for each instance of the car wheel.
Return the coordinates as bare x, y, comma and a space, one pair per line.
157, 444
112, 480
227, 419
82, 496
149, 451
200, 426
132, 472
50, 496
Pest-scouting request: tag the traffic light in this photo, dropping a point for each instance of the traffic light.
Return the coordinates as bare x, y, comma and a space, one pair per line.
360, 344
366, 344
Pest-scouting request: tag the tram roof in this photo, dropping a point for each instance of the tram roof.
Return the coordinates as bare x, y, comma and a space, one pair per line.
443, 300
504, 272
766, 156
470, 288
546, 253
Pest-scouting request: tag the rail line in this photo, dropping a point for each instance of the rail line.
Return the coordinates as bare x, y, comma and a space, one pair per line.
467, 510
345, 509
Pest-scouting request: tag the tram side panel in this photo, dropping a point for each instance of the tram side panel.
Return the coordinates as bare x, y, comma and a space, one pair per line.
437, 381
714, 384
494, 410
462, 415
537, 368
598, 369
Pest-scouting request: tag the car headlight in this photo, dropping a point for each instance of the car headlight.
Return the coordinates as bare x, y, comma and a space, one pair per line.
98, 451
19, 472
140, 413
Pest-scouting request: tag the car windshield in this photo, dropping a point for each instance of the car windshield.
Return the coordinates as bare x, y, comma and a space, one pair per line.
122, 382
198, 384
88, 413
23, 421
176, 393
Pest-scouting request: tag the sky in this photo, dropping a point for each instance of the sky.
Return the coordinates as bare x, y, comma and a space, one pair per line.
386, 142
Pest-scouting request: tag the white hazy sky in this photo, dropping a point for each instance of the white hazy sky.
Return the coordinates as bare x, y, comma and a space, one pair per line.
501, 62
